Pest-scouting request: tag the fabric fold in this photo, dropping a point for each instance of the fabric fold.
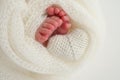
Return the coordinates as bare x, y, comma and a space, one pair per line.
19, 19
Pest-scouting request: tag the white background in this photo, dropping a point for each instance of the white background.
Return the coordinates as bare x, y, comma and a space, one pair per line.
106, 64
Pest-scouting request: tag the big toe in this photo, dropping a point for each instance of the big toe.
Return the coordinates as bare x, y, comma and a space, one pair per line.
50, 11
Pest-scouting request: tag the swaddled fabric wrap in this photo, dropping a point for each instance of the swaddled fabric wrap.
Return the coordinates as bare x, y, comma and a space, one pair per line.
23, 58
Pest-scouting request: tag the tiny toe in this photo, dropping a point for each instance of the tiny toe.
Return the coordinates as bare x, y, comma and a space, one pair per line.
57, 10
62, 13
50, 11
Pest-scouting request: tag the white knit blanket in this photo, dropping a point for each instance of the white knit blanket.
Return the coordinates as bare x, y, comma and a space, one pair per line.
23, 58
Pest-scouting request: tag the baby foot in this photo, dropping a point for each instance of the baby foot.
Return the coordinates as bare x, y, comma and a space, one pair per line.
56, 11
57, 22
47, 28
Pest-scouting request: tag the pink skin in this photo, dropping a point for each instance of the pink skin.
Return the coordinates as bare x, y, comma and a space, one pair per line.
51, 11
57, 22
47, 28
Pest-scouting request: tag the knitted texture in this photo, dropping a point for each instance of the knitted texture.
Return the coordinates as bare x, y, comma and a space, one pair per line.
24, 57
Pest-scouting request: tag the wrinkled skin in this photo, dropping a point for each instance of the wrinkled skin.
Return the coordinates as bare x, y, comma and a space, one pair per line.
57, 22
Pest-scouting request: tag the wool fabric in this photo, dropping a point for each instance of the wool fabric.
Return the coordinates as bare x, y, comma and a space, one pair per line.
23, 58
